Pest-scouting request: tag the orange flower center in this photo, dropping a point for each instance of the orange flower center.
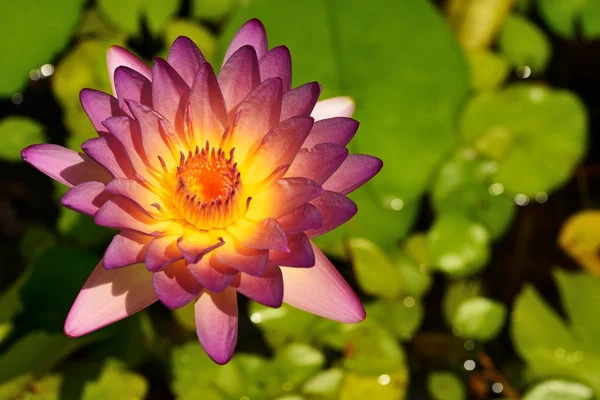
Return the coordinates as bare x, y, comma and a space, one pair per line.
209, 191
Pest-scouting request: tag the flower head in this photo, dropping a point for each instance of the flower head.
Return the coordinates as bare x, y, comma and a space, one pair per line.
216, 183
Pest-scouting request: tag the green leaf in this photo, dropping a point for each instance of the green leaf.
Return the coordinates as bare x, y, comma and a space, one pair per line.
34, 34
561, 15
464, 185
128, 14
459, 246
559, 390
392, 385
548, 130
523, 43
375, 273
401, 317
204, 39
488, 70
116, 382
455, 294
370, 68
186, 317
213, 10
590, 19
333, 334
282, 325
16, 133
193, 372
326, 384
374, 351
415, 279
298, 362
445, 386
159, 12
479, 318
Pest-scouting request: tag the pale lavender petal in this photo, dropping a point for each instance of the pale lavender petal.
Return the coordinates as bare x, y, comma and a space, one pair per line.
169, 93
239, 76
300, 254
131, 85
63, 165
299, 102
117, 56
185, 58
109, 295
277, 63
334, 107
338, 130
193, 249
161, 252
126, 248
269, 235
285, 196
86, 198
108, 152
99, 106
212, 274
122, 213
252, 33
318, 163
126, 131
321, 290
354, 172
217, 323
136, 192
301, 219
175, 286
250, 261
335, 209
266, 289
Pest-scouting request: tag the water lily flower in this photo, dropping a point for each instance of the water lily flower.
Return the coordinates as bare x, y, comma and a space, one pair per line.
217, 183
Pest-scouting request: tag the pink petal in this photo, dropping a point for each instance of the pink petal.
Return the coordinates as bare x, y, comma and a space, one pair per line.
269, 235
207, 106
108, 152
161, 252
335, 209
354, 172
321, 290
127, 133
63, 165
121, 213
109, 295
126, 248
299, 102
213, 275
86, 198
131, 85
318, 163
185, 58
250, 261
301, 219
334, 107
194, 249
300, 254
217, 324
169, 93
267, 289
175, 286
277, 63
135, 192
284, 196
99, 106
239, 76
117, 56
338, 130
252, 33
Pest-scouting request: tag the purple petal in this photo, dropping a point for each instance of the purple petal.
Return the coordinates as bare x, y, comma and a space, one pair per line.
335, 209
131, 85
267, 289
250, 261
321, 290
126, 248
217, 323
121, 213
318, 163
299, 102
117, 56
285, 196
300, 254
239, 76
109, 295
208, 113
135, 192
99, 106
252, 33
185, 58
108, 152
213, 275
175, 286
277, 63
301, 219
161, 252
354, 172
334, 107
86, 198
338, 130
269, 235
127, 133
63, 165
169, 93
195, 247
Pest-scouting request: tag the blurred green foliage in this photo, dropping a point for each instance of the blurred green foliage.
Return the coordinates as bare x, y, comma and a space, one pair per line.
451, 125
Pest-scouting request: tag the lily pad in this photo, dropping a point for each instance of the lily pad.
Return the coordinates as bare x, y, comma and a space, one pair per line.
523, 43
16, 133
479, 318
